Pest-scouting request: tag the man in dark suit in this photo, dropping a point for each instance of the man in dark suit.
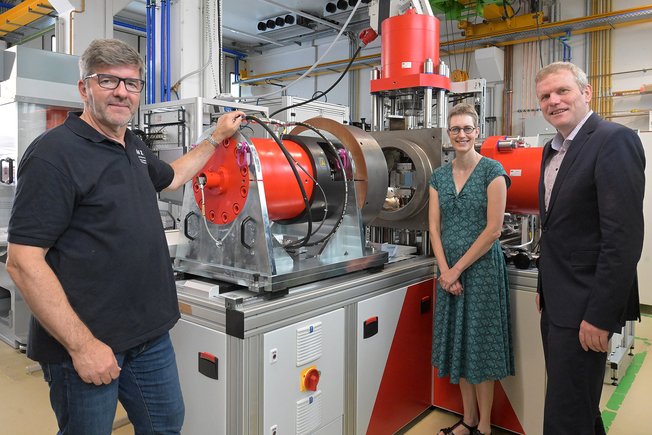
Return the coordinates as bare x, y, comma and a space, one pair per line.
591, 208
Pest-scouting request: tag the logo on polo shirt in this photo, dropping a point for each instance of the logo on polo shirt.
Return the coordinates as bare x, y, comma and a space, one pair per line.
141, 157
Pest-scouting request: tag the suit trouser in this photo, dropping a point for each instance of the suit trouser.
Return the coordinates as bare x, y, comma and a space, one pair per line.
575, 379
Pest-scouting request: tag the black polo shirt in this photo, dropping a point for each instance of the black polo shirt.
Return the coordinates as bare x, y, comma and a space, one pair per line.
92, 202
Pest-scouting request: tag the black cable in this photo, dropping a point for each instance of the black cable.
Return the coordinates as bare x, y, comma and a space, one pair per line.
320, 94
290, 160
519, 8
341, 164
507, 17
348, 66
449, 36
536, 20
242, 127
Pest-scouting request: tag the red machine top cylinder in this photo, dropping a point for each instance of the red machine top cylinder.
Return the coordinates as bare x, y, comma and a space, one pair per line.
407, 41
523, 166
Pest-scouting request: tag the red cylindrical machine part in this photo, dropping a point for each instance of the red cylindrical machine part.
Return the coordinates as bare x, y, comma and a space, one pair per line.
215, 180
226, 184
523, 166
227, 181
407, 41
284, 199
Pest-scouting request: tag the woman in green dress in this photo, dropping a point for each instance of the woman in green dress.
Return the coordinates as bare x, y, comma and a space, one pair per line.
472, 341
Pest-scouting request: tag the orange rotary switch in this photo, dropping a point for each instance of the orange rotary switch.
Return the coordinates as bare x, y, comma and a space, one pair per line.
310, 379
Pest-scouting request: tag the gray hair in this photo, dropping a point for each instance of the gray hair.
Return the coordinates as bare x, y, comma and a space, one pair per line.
580, 76
109, 52
463, 109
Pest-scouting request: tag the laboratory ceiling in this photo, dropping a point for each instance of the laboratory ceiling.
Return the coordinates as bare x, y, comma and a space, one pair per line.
248, 25
257, 25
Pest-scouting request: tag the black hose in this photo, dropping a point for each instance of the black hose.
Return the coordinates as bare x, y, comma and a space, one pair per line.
321, 94
292, 162
341, 164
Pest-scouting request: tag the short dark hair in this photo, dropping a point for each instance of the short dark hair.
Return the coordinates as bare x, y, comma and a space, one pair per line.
109, 52
464, 109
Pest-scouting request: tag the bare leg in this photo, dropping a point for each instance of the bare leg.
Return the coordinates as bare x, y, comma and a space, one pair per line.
485, 395
469, 402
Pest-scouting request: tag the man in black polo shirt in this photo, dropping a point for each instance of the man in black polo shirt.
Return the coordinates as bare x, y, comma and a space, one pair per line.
88, 252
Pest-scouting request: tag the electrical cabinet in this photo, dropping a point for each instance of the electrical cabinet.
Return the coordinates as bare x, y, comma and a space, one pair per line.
306, 111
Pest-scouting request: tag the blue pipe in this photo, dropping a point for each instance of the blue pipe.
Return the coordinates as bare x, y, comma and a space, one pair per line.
128, 26
148, 55
152, 54
566, 52
163, 53
151, 51
235, 53
167, 44
6, 5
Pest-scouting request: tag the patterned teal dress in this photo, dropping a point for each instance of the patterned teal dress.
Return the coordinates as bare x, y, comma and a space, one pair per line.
472, 336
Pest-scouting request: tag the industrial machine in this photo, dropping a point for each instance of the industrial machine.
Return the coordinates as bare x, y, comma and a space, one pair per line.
269, 214
293, 320
304, 283
36, 93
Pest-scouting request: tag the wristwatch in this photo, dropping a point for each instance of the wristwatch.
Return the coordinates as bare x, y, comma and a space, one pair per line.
211, 141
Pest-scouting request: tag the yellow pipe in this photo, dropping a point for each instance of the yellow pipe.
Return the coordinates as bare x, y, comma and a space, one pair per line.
593, 61
599, 78
610, 101
605, 68
595, 54
592, 73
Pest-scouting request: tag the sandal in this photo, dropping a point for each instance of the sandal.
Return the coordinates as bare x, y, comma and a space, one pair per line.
449, 430
475, 431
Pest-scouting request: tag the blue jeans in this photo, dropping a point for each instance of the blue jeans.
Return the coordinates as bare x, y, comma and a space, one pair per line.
148, 388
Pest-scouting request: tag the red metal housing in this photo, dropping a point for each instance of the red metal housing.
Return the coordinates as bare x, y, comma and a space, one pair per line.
523, 166
406, 42
227, 180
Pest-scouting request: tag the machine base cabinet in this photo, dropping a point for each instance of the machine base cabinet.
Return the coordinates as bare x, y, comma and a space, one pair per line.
204, 397
393, 364
303, 376
346, 355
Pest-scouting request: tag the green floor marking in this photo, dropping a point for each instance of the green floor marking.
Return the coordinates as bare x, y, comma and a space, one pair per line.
608, 418
617, 397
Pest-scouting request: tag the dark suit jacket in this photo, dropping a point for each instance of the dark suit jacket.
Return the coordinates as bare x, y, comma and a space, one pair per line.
592, 233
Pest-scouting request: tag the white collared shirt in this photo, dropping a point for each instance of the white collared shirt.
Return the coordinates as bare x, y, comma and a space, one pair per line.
560, 145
